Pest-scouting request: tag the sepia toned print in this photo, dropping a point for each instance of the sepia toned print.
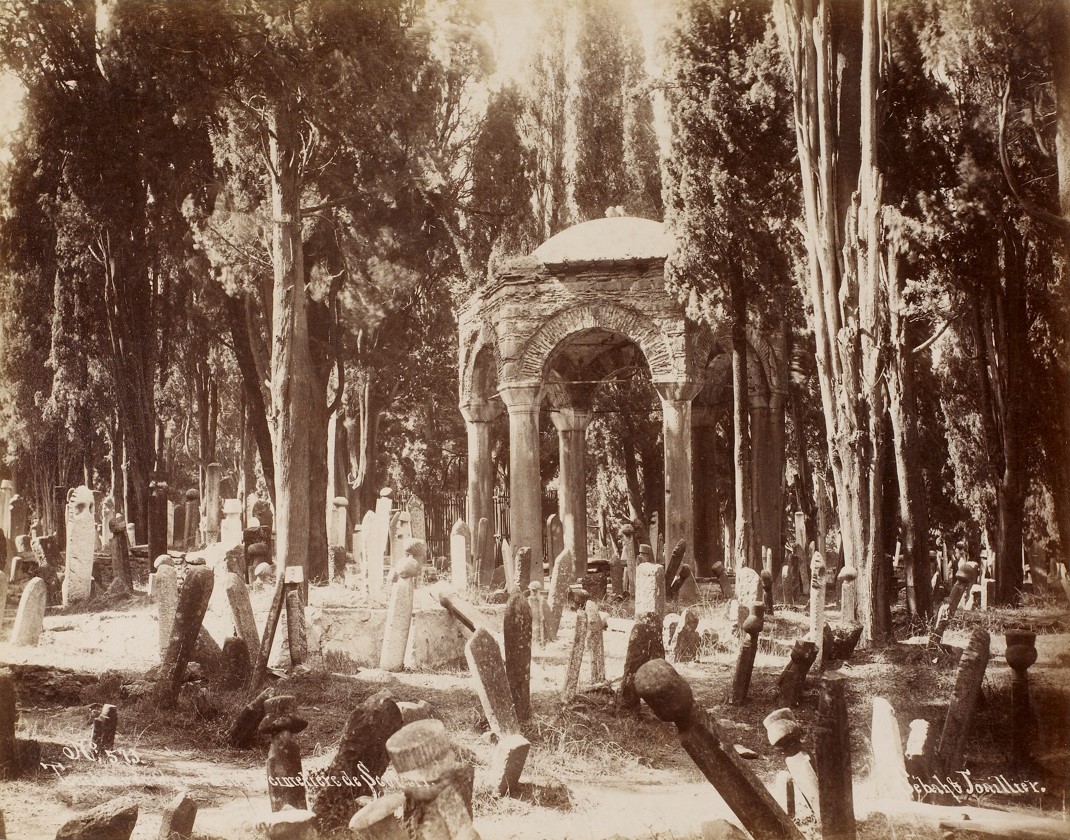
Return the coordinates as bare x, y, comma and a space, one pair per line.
367, 367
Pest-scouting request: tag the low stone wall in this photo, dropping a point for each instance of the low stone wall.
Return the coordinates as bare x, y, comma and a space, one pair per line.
436, 639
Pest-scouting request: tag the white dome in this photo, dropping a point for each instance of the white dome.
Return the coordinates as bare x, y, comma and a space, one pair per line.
606, 240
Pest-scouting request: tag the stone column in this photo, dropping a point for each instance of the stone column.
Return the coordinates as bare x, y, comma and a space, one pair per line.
525, 482
676, 396
478, 415
767, 468
571, 425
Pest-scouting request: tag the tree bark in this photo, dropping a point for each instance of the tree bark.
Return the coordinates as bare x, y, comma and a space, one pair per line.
251, 378
319, 417
845, 251
746, 555
291, 365
913, 504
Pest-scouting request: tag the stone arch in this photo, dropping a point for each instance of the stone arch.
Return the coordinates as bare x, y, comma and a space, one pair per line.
605, 315
709, 342
474, 364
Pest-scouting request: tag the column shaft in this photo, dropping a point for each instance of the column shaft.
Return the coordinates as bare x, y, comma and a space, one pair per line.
572, 488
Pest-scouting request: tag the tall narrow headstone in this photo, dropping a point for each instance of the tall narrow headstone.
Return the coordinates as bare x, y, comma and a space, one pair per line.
484, 552
417, 518
523, 568
157, 517
817, 605
191, 519
339, 520
399, 614
575, 658
213, 473
628, 558
508, 564
120, 553
166, 603
459, 556
81, 544
555, 535
3, 597
595, 643
376, 545
517, 637
559, 588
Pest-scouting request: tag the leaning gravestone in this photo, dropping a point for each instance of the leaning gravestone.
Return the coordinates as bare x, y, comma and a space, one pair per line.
192, 605
29, 620
81, 543
241, 607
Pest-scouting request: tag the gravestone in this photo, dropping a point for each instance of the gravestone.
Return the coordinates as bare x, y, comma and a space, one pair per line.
166, 602
558, 595
282, 722
191, 519
748, 590
516, 629
192, 605
417, 518
212, 475
81, 544
376, 545
627, 559
459, 556
339, 521
595, 643
484, 553
650, 590
399, 614
230, 530
362, 756
178, 818
685, 644
30, 616
241, 608
555, 535
644, 644
3, 597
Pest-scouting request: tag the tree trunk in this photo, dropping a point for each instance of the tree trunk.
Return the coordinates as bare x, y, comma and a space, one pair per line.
844, 279
251, 377
291, 365
913, 504
746, 555
319, 417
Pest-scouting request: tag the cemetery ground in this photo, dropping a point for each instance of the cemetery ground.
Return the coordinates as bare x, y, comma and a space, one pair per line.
594, 770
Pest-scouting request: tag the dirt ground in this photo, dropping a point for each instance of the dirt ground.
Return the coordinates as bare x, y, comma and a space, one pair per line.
592, 772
